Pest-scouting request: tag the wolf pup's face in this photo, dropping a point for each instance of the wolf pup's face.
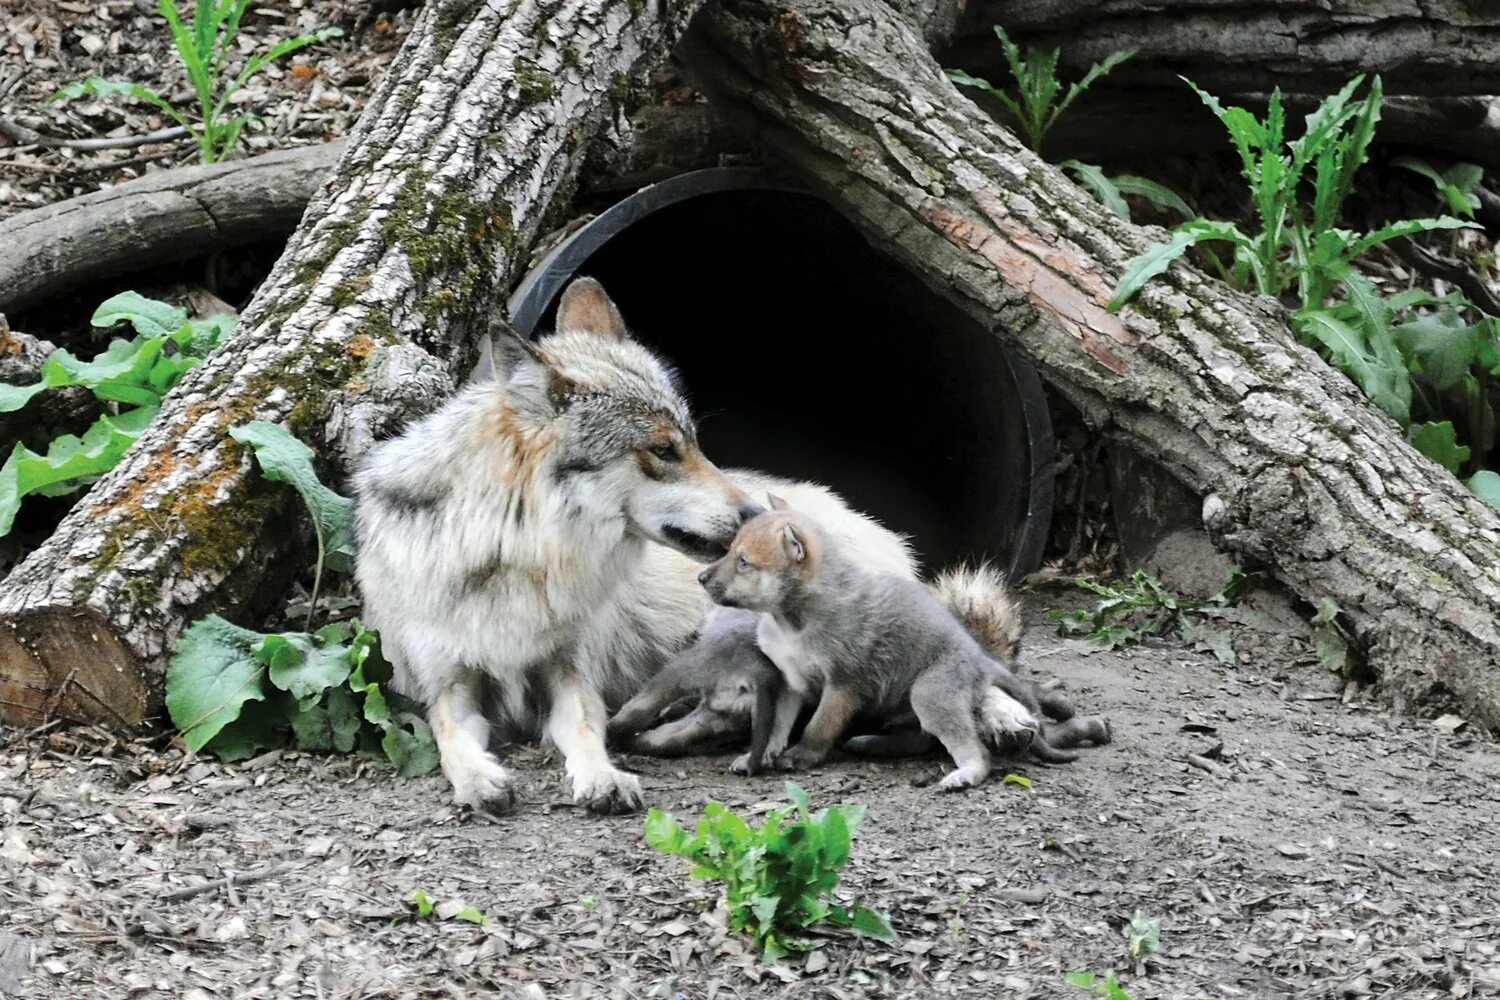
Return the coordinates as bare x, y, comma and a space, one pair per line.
769, 559
622, 439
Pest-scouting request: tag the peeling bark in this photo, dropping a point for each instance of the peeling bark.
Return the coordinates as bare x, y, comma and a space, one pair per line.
370, 316
1298, 470
1428, 47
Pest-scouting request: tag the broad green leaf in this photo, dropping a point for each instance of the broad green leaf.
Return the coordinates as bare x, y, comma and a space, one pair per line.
797, 795
1084, 980
1017, 779
1148, 265
1157, 194
70, 463
1443, 344
283, 458
409, 746
13, 397
1406, 227
472, 916
210, 677
872, 924
1100, 186
423, 903
260, 727
1439, 442
149, 317
301, 666
1328, 641
1486, 486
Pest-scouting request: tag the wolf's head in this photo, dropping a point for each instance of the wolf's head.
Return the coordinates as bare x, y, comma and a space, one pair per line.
620, 438
773, 555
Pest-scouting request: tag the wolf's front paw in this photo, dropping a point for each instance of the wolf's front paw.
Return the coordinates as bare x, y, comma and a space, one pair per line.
611, 791
484, 785
741, 765
801, 758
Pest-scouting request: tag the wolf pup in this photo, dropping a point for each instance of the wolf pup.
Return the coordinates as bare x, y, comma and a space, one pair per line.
864, 642
505, 548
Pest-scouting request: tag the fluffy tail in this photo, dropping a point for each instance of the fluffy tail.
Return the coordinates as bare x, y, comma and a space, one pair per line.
980, 599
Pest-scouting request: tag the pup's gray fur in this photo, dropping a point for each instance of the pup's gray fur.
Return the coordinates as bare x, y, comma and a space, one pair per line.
856, 641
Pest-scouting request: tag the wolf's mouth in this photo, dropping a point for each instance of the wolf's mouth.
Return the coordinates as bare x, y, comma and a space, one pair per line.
690, 543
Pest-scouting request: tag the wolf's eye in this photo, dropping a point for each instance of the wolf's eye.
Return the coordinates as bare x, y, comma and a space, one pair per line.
744, 565
664, 452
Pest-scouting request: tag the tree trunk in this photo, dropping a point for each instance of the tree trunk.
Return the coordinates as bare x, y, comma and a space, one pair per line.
1297, 469
372, 313
167, 216
1428, 47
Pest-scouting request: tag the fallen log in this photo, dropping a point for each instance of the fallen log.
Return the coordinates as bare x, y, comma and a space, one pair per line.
1426, 47
1297, 469
377, 305
168, 216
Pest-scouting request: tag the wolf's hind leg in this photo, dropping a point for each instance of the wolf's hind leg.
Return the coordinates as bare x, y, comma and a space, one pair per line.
462, 734
1079, 731
907, 742
693, 732
575, 724
953, 721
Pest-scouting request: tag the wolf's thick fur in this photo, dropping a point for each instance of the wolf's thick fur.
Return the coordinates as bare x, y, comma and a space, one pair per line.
853, 641
506, 548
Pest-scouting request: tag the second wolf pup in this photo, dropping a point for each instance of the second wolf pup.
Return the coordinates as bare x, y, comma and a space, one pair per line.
859, 642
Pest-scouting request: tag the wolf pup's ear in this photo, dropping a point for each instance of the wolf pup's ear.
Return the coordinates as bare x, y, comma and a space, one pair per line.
777, 503
795, 549
586, 308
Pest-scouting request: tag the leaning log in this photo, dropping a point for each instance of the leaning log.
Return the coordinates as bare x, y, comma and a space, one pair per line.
1297, 469
162, 218
1426, 47
474, 136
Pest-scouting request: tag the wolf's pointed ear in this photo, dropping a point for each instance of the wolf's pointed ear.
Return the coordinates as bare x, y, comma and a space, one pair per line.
532, 383
586, 308
777, 503
796, 550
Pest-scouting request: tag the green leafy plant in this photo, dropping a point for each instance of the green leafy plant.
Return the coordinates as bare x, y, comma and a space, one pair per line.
130, 377
1143, 936
1039, 99
1455, 186
1110, 191
1427, 361
424, 907
1295, 247
204, 46
1103, 986
1141, 608
235, 692
778, 877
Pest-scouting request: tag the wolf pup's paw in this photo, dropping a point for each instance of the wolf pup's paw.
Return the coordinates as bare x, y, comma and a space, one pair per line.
962, 779
608, 792
487, 788
741, 765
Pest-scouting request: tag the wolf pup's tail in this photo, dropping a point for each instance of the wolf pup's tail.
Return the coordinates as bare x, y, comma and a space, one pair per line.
979, 597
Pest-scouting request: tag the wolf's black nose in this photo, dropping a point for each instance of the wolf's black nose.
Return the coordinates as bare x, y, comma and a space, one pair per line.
751, 509
703, 577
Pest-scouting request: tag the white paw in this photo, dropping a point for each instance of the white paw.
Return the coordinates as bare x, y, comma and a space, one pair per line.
741, 764
483, 784
608, 791
964, 777
1004, 714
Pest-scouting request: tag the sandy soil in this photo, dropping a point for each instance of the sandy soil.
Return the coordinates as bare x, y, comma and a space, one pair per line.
1314, 849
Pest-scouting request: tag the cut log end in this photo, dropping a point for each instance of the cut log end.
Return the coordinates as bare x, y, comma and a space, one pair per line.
66, 663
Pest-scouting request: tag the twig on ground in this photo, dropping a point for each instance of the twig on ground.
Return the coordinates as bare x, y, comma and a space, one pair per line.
26, 137
178, 895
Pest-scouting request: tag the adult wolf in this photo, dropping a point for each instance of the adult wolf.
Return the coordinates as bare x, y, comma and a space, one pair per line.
505, 548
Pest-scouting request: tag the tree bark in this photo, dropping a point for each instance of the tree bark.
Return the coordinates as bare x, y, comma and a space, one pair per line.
1428, 47
1297, 469
161, 218
373, 311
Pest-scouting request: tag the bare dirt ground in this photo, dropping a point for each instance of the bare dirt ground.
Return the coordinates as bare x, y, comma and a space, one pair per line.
1327, 850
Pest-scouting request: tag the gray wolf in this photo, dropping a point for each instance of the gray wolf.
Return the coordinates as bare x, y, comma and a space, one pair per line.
528, 552
854, 642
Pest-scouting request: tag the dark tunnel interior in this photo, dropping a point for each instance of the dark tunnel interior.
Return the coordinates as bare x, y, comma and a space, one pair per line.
809, 354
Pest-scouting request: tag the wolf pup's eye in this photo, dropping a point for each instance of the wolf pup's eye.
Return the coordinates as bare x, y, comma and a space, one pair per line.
664, 452
744, 564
